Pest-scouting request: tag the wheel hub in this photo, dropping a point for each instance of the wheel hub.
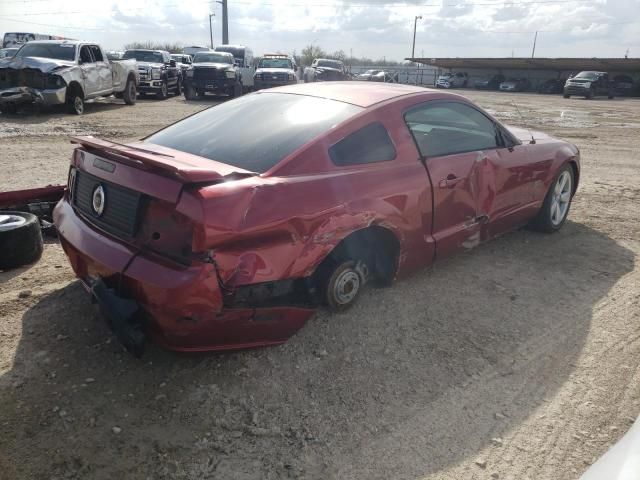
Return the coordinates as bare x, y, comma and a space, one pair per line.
347, 286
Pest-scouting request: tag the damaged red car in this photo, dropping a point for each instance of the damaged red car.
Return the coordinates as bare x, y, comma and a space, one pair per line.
226, 229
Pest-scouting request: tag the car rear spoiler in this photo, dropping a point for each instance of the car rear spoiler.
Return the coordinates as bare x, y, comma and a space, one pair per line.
181, 169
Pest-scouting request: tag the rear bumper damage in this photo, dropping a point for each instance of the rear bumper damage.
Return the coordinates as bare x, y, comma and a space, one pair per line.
25, 95
181, 308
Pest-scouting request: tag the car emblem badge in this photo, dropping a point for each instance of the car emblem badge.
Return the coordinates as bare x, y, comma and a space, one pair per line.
97, 200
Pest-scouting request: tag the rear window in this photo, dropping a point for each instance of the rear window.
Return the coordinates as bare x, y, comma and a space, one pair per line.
370, 144
254, 132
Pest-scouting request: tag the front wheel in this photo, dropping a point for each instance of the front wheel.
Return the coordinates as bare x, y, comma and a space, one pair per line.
178, 90
236, 90
164, 91
566, 95
75, 102
129, 94
189, 92
555, 207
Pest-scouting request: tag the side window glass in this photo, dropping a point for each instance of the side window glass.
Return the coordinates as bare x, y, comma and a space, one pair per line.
85, 54
97, 53
445, 128
370, 144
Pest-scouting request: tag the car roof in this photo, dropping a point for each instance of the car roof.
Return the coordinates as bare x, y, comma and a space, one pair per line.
362, 94
57, 42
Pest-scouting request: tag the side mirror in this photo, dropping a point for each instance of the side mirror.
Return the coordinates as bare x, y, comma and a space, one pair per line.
172, 63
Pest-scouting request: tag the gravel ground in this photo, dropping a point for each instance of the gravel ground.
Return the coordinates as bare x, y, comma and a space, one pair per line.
518, 360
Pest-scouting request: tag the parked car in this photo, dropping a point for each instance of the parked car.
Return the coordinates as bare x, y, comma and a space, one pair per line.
191, 51
114, 55
183, 62
243, 58
553, 85
8, 52
515, 85
212, 72
452, 80
366, 76
64, 72
324, 69
275, 70
207, 236
159, 73
378, 76
623, 84
589, 84
491, 83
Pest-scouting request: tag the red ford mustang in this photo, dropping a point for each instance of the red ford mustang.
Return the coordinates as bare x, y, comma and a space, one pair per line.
226, 229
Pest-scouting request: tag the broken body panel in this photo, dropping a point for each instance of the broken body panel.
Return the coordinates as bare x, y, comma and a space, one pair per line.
255, 241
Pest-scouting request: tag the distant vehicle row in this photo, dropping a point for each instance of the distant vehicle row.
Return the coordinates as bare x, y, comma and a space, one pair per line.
588, 84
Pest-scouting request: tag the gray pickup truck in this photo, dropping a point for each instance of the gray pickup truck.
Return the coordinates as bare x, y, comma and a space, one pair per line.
64, 72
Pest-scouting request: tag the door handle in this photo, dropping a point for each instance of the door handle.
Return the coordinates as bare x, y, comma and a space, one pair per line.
450, 181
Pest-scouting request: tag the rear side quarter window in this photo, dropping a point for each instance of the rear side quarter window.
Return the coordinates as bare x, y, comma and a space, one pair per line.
370, 144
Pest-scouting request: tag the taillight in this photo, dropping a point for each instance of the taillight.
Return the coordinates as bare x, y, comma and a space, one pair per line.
166, 232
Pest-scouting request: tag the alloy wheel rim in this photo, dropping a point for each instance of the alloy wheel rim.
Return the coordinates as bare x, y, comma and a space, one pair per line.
561, 198
78, 105
346, 287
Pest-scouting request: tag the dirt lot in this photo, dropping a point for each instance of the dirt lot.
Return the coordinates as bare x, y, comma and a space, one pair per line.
519, 360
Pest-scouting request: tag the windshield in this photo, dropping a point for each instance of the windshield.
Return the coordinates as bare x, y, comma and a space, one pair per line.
329, 64
275, 63
212, 58
587, 75
144, 56
446, 75
276, 124
59, 51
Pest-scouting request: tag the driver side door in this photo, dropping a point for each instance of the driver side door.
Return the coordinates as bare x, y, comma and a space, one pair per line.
458, 145
90, 73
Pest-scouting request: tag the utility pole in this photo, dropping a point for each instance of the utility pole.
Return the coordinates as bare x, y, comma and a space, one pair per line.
535, 39
211, 29
225, 23
415, 24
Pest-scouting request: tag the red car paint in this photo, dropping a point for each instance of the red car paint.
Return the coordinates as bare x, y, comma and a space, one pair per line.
17, 198
249, 229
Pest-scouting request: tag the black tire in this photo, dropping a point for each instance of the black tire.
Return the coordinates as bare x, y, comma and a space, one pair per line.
610, 96
589, 95
9, 109
178, 90
163, 93
20, 243
566, 95
236, 91
189, 92
543, 220
129, 94
75, 101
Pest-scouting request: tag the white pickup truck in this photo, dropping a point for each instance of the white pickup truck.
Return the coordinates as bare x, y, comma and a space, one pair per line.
64, 72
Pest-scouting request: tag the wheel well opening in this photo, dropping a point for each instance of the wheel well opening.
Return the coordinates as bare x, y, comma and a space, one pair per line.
74, 87
377, 246
576, 176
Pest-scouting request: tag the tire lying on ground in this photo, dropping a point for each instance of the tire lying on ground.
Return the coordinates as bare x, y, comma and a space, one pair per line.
20, 239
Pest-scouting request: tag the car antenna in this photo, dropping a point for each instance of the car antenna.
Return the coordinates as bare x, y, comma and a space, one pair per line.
533, 140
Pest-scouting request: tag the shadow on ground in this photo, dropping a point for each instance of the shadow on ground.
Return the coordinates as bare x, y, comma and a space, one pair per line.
415, 378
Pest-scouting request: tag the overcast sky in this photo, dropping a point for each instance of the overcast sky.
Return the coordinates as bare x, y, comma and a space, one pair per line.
371, 28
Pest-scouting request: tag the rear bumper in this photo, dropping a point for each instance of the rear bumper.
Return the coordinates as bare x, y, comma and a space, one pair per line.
22, 95
181, 308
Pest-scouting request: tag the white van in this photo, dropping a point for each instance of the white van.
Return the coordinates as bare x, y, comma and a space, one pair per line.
243, 57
